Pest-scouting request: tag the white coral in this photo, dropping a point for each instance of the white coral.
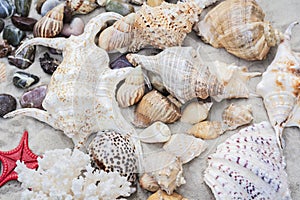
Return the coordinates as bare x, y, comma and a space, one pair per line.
63, 174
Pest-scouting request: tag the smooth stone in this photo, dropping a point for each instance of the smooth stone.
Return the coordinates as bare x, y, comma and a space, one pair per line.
119, 7
49, 5
39, 4
7, 8
5, 49
120, 62
24, 80
76, 27
23, 23
2, 23
34, 98
7, 104
13, 35
23, 7
49, 64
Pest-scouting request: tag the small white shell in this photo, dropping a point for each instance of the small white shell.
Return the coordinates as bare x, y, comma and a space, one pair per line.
206, 130
155, 133
147, 182
195, 112
2, 72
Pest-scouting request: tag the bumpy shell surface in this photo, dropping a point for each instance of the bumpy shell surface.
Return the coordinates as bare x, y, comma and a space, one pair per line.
235, 116
195, 112
51, 24
184, 146
206, 130
248, 165
155, 133
239, 27
279, 87
155, 107
147, 182
161, 195
82, 6
2, 72
182, 73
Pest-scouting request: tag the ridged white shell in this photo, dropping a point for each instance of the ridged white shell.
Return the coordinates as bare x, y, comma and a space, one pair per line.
206, 130
155, 133
2, 72
248, 165
195, 112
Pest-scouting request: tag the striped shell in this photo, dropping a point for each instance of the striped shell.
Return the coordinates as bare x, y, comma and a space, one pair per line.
147, 182
206, 130
248, 165
82, 6
2, 72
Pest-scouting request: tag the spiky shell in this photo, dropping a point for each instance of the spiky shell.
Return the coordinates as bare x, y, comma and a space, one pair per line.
51, 24
147, 182
239, 27
235, 116
155, 133
82, 6
206, 130
2, 72
181, 72
248, 165
184, 146
195, 112
161, 195
155, 107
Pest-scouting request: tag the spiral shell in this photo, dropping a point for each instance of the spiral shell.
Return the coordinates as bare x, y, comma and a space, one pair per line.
155, 133
82, 6
195, 112
206, 130
147, 182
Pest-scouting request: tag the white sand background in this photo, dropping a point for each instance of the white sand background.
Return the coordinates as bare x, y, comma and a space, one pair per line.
42, 137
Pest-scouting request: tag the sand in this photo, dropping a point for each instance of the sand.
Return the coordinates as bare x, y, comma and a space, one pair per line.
42, 137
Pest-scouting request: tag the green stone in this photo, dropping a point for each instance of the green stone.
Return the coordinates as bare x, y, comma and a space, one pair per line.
119, 7
13, 35
23, 7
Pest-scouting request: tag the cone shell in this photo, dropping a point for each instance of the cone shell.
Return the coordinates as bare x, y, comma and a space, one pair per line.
155, 107
184, 146
161, 195
206, 130
239, 27
155, 133
147, 182
248, 165
195, 112
2, 72
51, 24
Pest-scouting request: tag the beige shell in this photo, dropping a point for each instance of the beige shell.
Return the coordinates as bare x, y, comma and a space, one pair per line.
154, 3
2, 72
82, 6
206, 130
133, 89
239, 27
155, 107
235, 116
174, 101
161, 195
184, 146
51, 24
167, 172
195, 112
182, 73
155, 133
147, 182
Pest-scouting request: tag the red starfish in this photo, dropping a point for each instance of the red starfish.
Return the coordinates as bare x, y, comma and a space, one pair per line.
9, 159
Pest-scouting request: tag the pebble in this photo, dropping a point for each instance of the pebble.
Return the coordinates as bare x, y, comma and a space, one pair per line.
7, 104
24, 80
49, 64
76, 27
23, 7
23, 23
39, 4
120, 62
1, 25
119, 7
7, 8
5, 49
13, 35
34, 98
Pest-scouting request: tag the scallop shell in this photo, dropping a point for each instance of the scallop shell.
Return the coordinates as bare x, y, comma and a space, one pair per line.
235, 116
155, 107
155, 133
206, 130
161, 195
279, 87
2, 72
82, 6
147, 182
167, 172
182, 73
195, 112
248, 165
51, 24
239, 27
184, 146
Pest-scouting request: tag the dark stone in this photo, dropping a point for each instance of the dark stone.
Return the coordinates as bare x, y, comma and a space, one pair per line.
7, 8
34, 98
23, 7
120, 62
5, 49
1, 25
24, 80
13, 35
23, 23
39, 4
49, 64
7, 104
119, 7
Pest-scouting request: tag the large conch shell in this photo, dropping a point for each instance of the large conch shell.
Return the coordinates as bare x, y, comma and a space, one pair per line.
239, 27
248, 165
182, 73
279, 87
161, 26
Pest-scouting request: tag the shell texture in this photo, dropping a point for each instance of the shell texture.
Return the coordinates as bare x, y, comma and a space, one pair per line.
133, 89
279, 87
181, 72
195, 112
203, 3
239, 27
2, 72
248, 165
51, 24
155, 133
155, 107
206, 130
235, 116
147, 182
82, 6
161, 195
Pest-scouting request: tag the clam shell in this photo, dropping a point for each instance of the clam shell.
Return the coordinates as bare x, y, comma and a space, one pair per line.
195, 112
184, 146
248, 165
161, 195
2, 72
206, 130
155, 133
147, 182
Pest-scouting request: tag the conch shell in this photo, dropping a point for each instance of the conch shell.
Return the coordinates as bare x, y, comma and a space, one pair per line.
206, 130
279, 87
182, 73
239, 27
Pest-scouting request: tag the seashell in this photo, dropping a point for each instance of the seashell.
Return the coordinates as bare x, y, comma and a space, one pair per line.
156, 82
248, 165
174, 101
49, 5
119, 6
7, 8
147, 182
49, 64
136, 2
8, 103
234, 79
33, 98
155, 107
13, 35
167, 172
204, 3
195, 112
155, 133
38, 6
51, 24
240, 28
82, 6
161, 195
5, 49
23, 7
185, 147
76, 27
235, 116
206, 130
132, 90
23, 23
154, 3
24, 80
181, 72
279, 87
2, 72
